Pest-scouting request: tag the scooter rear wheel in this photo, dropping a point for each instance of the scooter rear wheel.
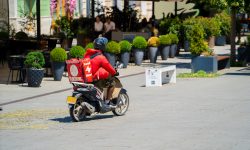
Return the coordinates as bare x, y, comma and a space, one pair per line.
122, 104
77, 113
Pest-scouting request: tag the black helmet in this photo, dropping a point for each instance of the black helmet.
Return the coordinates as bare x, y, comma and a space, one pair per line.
100, 43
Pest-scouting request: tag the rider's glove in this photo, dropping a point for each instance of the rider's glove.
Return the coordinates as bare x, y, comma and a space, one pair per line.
116, 74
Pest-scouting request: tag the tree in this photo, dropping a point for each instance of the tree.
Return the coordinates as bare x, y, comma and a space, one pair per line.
235, 7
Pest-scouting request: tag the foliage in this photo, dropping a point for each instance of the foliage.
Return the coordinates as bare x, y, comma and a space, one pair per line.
58, 55
199, 74
64, 25
125, 46
34, 60
153, 41
236, 4
170, 25
139, 42
187, 27
113, 47
210, 25
21, 35
224, 23
89, 45
77, 52
174, 38
198, 48
165, 39
218, 5
197, 44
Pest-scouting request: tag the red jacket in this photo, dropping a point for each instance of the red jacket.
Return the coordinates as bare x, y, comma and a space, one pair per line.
101, 68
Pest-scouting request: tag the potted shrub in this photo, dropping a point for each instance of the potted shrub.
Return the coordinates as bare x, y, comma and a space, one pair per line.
77, 52
34, 62
203, 58
187, 28
125, 52
89, 45
153, 43
139, 44
112, 48
165, 42
58, 57
225, 27
211, 28
173, 48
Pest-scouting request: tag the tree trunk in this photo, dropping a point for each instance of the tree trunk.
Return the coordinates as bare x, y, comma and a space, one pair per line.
233, 35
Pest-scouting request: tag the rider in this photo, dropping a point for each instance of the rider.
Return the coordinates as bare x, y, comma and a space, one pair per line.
102, 70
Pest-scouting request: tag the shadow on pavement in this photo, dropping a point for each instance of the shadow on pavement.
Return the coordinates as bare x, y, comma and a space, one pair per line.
241, 72
62, 120
69, 120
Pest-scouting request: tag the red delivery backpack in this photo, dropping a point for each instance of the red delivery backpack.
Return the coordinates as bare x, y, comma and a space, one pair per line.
79, 70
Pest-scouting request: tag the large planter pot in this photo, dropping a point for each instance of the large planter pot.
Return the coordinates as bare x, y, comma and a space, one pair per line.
211, 41
138, 56
111, 58
67, 43
208, 64
34, 77
125, 59
173, 50
58, 69
186, 46
153, 54
164, 51
220, 40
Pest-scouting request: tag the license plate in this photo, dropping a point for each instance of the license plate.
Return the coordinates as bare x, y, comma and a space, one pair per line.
71, 100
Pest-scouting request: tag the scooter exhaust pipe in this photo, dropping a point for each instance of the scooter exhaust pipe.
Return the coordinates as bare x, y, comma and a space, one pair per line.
89, 108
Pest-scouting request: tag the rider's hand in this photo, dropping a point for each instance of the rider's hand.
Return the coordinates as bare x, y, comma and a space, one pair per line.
116, 74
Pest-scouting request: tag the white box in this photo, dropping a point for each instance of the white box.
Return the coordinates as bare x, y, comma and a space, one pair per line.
158, 76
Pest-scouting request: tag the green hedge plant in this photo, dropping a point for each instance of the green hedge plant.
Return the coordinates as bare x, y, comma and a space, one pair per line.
113, 47
34, 60
210, 25
165, 39
58, 55
77, 52
224, 23
89, 45
197, 43
174, 38
139, 42
125, 46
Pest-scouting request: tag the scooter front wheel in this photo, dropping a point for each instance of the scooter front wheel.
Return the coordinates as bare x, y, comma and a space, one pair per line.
77, 113
122, 104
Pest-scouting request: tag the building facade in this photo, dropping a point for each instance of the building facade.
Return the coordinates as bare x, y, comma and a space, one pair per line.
20, 9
